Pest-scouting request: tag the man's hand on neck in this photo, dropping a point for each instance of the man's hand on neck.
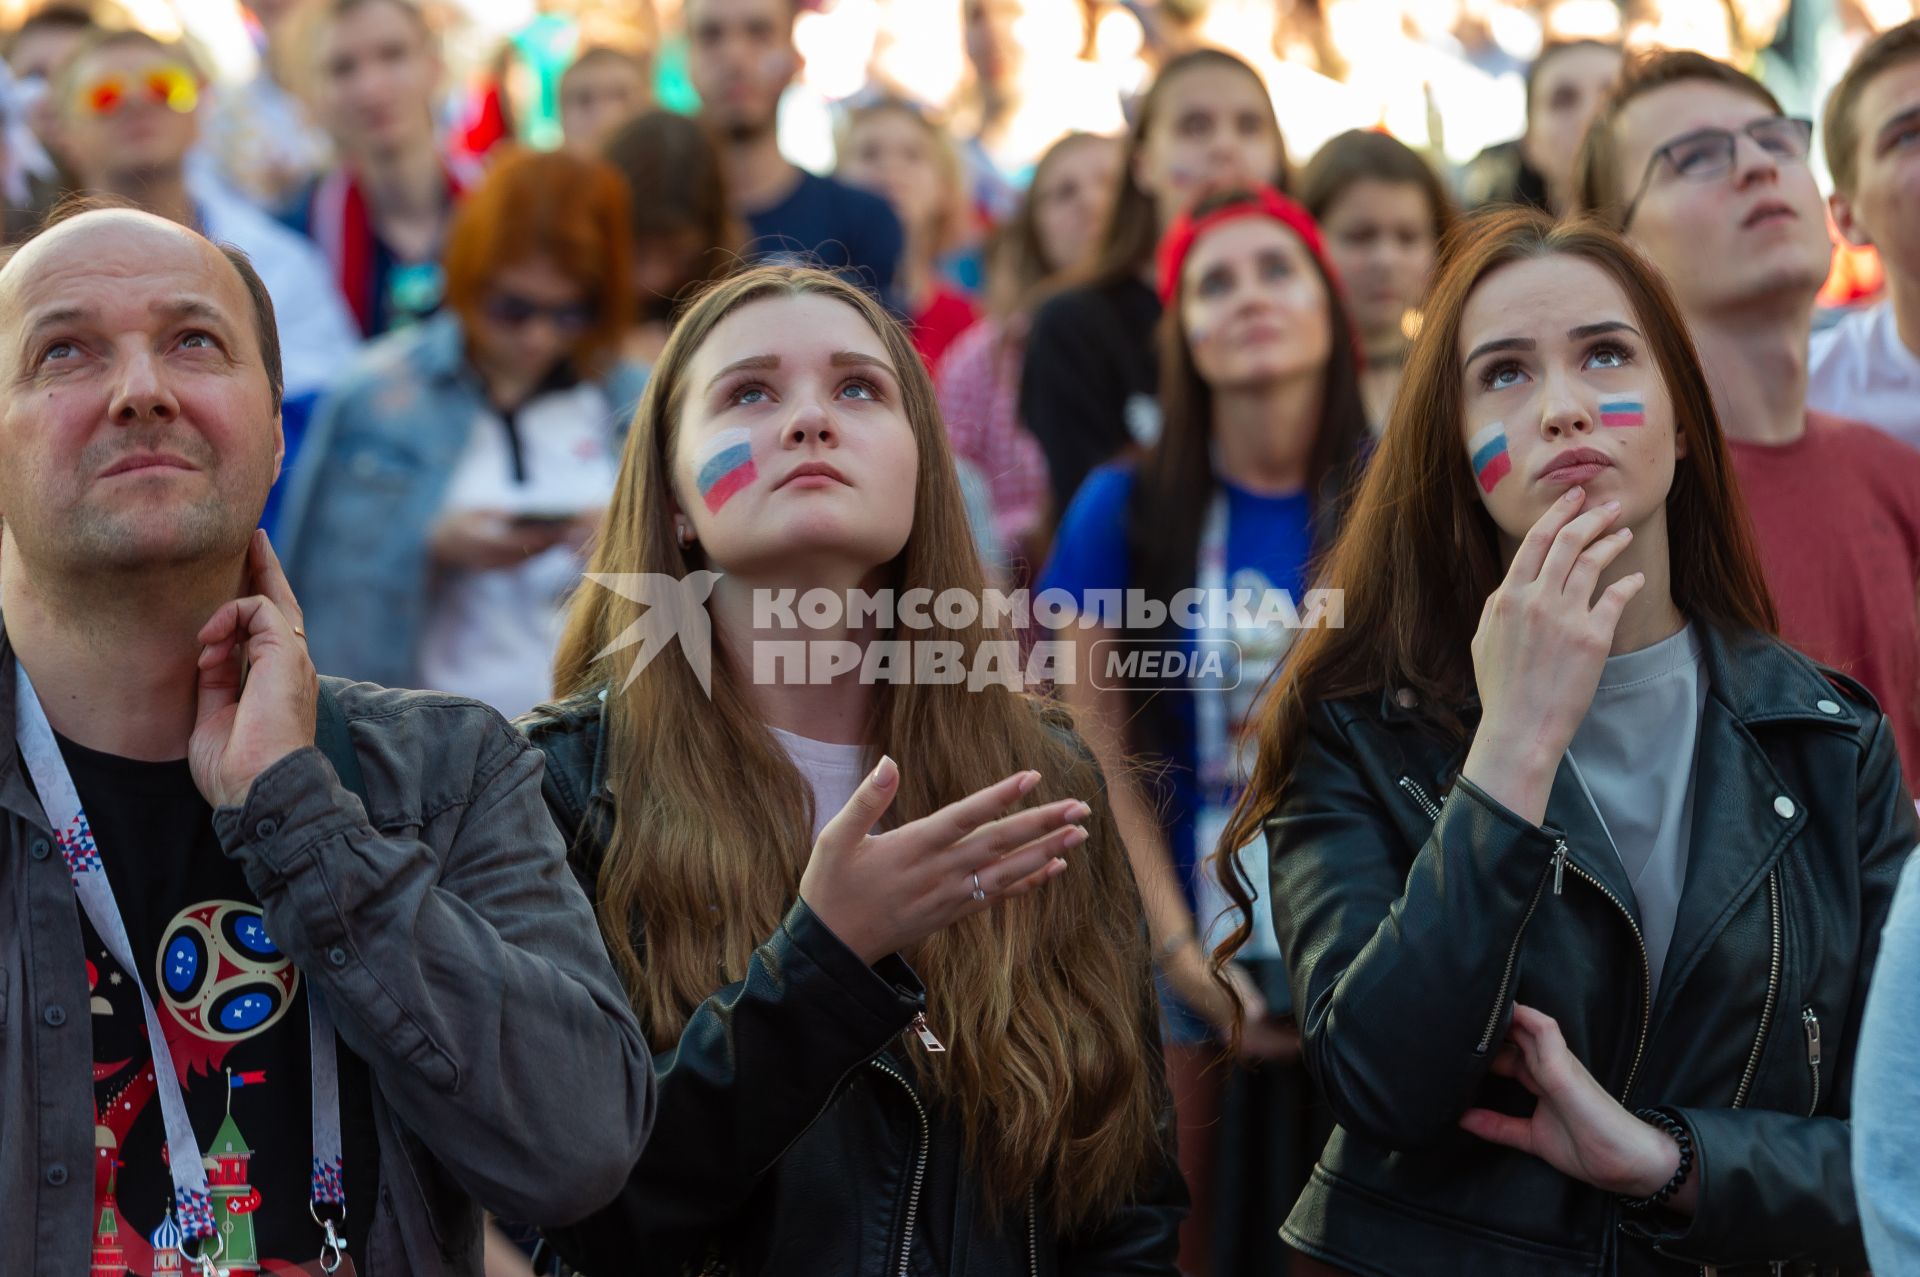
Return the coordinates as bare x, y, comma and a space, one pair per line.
113, 656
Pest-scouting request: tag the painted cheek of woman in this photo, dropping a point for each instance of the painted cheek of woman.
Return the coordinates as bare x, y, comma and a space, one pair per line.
1558, 372
723, 466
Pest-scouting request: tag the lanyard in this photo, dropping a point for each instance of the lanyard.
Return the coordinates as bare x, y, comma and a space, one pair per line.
41, 754
1212, 751
1216, 759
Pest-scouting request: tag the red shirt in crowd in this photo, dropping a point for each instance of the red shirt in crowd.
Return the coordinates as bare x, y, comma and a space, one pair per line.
1836, 516
948, 313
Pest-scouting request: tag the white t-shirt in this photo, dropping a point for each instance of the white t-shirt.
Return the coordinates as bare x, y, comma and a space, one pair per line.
834, 772
491, 634
1860, 369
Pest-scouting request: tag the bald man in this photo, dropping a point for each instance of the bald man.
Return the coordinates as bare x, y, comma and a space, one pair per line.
291, 970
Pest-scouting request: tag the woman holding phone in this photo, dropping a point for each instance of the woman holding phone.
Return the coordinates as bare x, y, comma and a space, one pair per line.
881, 933
1578, 871
451, 479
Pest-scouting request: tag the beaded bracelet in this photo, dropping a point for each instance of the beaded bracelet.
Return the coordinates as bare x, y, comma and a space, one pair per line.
1682, 1137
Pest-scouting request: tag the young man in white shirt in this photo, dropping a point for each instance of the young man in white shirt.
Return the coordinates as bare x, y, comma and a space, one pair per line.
1867, 366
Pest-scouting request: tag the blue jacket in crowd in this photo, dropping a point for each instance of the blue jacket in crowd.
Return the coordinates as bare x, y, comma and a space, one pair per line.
370, 481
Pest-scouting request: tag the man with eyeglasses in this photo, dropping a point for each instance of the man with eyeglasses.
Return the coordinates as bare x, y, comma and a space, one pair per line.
129, 110
1867, 366
1697, 164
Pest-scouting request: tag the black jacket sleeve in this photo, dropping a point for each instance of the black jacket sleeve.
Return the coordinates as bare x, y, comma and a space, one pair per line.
1391, 962
758, 1062
1778, 1186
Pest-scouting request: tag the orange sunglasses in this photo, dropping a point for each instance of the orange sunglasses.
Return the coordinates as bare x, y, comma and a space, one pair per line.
169, 86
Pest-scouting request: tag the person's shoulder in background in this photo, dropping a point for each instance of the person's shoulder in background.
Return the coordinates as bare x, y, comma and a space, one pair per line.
1881, 464
1090, 546
1858, 368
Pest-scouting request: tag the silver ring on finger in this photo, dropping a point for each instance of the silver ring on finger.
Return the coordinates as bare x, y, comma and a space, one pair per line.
979, 892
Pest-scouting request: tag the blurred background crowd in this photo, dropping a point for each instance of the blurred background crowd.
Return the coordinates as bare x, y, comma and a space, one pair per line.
476, 218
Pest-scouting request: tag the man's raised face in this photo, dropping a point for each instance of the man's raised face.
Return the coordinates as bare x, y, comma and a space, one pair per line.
138, 428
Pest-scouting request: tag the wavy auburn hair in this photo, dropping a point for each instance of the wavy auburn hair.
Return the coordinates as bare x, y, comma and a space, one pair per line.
1420, 554
1045, 1002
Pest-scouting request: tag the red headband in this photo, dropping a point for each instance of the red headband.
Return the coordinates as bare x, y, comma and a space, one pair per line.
1266, 202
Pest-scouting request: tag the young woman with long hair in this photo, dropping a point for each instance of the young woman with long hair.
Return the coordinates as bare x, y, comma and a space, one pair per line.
1384, 211
1264, 432
978, 380
1089, 378
882, 934
894, 149
1579, 872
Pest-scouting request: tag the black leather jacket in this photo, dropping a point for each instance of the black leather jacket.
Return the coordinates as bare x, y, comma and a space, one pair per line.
790, 1136
1414, 911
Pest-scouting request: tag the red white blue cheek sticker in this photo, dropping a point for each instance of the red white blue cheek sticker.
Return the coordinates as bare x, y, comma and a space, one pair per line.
1488, 448
1622, 412
726, 466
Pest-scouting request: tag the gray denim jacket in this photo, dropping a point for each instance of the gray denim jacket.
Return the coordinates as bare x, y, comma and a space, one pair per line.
457, 953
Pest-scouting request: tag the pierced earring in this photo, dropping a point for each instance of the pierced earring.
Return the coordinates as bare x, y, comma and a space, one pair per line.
685, 532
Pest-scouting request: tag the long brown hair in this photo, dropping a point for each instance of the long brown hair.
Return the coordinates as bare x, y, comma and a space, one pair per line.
1044, 1002
1133, 224
1420, 554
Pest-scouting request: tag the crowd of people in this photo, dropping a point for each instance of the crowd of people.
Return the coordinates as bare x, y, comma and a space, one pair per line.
1503, 864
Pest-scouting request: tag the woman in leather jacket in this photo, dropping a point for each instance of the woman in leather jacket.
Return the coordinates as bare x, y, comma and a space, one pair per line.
879, 928
1579, 872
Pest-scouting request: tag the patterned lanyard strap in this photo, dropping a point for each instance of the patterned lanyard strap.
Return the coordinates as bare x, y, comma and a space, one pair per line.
1212, 751
40, 752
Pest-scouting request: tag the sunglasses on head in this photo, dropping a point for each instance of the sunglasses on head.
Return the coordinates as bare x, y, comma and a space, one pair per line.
516, 311
170, 86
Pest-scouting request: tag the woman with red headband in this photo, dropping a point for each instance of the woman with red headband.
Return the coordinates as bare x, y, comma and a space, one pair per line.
1263, 428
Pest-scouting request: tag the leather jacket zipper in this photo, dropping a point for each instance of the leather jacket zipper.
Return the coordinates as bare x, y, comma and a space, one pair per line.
1773, 990
1513, 952
1033, 1233
1563, 864
1810, 1020
1420, 796
919, 1163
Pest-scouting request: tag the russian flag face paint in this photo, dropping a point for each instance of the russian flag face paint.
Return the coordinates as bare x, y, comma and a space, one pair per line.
1622, 412
726, 466
1488, 448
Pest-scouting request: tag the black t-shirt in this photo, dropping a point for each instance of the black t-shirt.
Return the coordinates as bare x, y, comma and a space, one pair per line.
235, 1013
1090, 379
827, 223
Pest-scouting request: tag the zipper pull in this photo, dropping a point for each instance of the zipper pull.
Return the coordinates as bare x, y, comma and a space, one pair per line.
1812, 1023
1559, 864
925, 1033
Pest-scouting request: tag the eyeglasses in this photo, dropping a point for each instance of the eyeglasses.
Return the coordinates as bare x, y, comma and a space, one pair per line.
1705, 154
170, 86
515, 311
